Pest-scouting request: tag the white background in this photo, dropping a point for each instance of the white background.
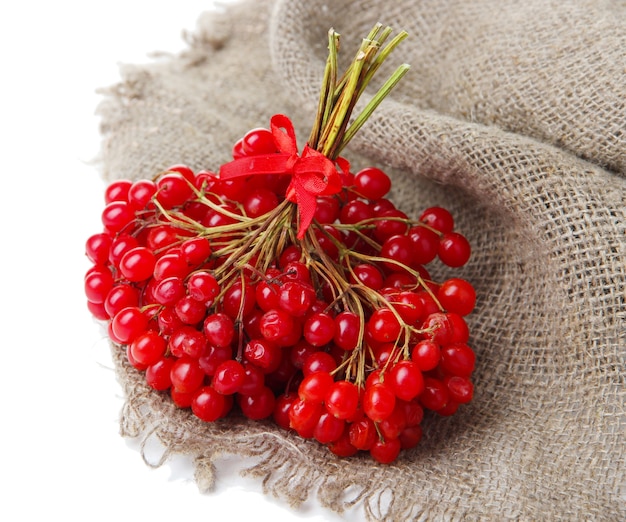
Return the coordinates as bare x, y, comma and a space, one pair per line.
61, 454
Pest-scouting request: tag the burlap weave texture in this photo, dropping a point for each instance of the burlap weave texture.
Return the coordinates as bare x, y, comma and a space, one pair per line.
513, 116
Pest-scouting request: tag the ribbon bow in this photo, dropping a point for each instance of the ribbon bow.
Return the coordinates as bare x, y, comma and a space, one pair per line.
312, 173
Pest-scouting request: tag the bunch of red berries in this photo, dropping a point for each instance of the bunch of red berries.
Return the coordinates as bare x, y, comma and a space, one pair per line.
286, 287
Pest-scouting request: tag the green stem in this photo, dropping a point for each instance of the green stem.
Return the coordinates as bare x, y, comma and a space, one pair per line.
371, 106
330, 133
327, 91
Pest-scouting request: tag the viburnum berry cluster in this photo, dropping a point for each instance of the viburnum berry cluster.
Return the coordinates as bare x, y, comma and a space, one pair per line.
287, 287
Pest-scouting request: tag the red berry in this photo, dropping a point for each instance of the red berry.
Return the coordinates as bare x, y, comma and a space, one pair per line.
372, 183
263, 354
98, 283
281, 410
229, 377
399, 251
406, 380
290, 254
266, 294
299, 352
182, 399
435, 395
161, 237
355, 212
382, 205
98, 311
426, 354
259, 202
230, 189
461, 388
319, 362
205, 179
454, 249
203, 287
137, 264
346, 331
219, 330
457, 295
186, 375
168, 321
253, 381
207, 404
238, 300
186, 340
342, 446
408, 305
169, 290
117, 191
449, 409
314, 387
237, 150
258, 406
296, 297
438, 218
458, 359
425, 244
410, 436
327, 210
128, 324
212, 357
328, 428
460, 330
136, 364
276, 324
170, 265
393, 223
363, 433
297, 271
190, 311
117, 215
97, 248
368, 275
383, 325
140, 193
379, 401
304, 416
392, 426
148, 348
385, 452
412, 411
183, 170
258, 141
173, 190
319, 329
286, 375
342, 399
195, 250
383, 352
438, 328
119, 246
158, 374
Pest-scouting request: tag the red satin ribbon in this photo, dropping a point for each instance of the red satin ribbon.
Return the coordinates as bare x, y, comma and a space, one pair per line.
312, 173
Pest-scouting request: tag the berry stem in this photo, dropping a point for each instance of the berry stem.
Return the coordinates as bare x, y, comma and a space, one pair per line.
327, 91
331, 133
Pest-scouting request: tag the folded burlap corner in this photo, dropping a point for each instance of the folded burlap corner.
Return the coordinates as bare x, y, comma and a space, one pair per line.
513, 116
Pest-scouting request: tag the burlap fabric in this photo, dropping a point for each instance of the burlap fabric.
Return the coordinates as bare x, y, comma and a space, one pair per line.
513, 116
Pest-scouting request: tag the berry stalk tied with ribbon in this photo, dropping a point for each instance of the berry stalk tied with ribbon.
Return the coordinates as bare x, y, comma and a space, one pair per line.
312, 174
285, 286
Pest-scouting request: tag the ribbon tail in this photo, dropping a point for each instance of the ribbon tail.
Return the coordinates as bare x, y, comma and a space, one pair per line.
307, 204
